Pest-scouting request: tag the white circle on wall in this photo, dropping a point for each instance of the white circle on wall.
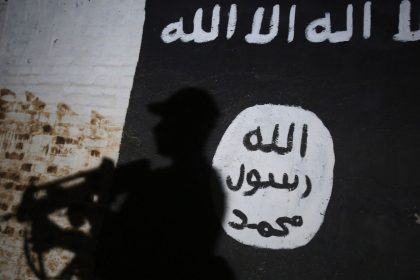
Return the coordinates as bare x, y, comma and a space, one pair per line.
275, 165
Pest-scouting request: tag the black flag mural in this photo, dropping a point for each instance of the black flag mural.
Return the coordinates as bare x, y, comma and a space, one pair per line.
276, 139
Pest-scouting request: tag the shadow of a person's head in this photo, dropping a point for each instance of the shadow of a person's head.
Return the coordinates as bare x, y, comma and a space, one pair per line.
189, 190
187, 117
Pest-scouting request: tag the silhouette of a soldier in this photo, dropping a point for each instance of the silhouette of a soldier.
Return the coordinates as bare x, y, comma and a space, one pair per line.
168, 224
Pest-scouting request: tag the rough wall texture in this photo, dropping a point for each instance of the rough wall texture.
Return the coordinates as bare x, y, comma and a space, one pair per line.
66, 71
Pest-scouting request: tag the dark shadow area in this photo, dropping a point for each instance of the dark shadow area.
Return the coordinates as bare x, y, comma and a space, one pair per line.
144, 223
78, 201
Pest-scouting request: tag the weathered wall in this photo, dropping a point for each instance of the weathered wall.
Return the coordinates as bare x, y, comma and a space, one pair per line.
66, 71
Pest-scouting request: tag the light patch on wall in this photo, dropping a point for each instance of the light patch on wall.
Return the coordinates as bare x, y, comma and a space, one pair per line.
41, 142
276, 167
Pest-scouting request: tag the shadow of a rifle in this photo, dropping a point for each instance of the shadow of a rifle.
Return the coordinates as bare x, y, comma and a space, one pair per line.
83, 198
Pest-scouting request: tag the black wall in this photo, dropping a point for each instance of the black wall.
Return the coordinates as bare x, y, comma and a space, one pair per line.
364, 90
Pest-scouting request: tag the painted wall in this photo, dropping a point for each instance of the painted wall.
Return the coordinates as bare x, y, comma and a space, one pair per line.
66, 72
342, 207
308, 109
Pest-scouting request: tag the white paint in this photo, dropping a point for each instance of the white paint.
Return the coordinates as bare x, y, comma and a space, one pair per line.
367, 15
175, 30
231, 27
343, 36
199, 35
326, 34
255, 37
270, 203
292, 20
405, 34
317, 37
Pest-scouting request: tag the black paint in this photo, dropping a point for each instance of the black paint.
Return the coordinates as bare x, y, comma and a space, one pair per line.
258, 184
240, 180
253, 179
364, 91
304, 140
268, 148
308, 187
265, 229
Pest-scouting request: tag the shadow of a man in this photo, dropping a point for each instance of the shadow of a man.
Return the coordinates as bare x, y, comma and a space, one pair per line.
166, 221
